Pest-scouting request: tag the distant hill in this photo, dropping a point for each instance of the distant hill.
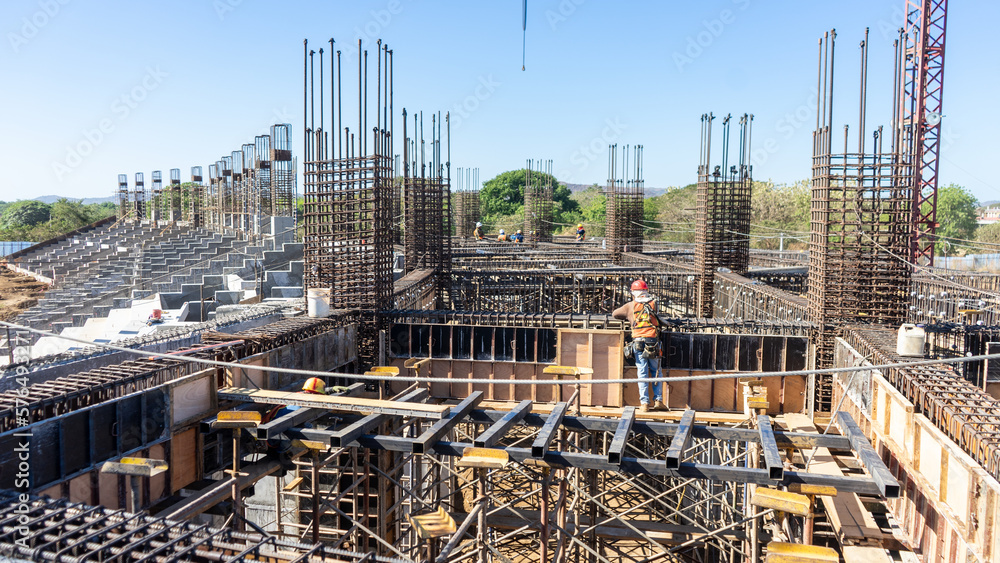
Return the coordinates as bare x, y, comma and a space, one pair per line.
85, 201
649, 192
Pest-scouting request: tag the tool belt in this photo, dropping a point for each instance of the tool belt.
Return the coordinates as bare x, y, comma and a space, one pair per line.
647, 347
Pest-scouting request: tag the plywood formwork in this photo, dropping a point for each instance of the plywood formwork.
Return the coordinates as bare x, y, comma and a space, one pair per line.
949, 503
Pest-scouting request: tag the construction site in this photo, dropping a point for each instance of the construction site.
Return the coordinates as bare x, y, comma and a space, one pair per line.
839, 404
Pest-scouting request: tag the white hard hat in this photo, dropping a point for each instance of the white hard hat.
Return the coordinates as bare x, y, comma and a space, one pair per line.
501, 231
478, 224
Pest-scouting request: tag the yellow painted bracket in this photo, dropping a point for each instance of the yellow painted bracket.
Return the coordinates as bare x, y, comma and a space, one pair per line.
138, 466
236, 419
780, 552
784, 501
487, 458
757, 404
391, 370
433, 524
310, 444
293, 484
817, 490
567, 370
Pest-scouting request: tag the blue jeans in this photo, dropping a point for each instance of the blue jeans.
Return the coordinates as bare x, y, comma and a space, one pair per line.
648, 368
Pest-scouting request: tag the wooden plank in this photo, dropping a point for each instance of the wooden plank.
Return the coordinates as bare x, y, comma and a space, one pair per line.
795, 393
852, 523
724, 394
862, 554
680, 391
351, 404
503, 371
183, 459
701, 393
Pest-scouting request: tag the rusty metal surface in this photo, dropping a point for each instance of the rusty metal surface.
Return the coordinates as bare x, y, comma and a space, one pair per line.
465, 202
59, 530
738, 297
624, 200
538, 195
722, 237
72, 392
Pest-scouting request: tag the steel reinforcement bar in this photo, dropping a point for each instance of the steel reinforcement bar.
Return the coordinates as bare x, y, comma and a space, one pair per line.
44, 529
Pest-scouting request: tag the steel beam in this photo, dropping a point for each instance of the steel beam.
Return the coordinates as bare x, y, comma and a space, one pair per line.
617, 446
769, 447
494, 433
681, 440
548, 431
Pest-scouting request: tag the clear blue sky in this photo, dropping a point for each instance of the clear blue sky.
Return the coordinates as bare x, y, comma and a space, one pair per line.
206, 76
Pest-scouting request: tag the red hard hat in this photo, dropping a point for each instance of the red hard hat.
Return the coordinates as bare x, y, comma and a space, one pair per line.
639, 285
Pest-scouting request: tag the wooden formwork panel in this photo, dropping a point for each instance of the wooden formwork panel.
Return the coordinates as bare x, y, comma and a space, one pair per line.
600, 350
948, 507
184, 459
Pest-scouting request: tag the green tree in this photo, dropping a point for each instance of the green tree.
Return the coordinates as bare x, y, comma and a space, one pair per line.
67, 215
956, 216
25, 213
988, 234
503, 195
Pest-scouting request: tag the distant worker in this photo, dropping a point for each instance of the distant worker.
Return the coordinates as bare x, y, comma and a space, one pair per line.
517, 237
478, 232
156, 317
501, 237
641, 315
581, 234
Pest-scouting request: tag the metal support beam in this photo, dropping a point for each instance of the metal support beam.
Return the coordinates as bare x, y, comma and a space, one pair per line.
617, 446
494, 433
347, 435
681, 440
870, 459
441, 427
548, 431
769, 447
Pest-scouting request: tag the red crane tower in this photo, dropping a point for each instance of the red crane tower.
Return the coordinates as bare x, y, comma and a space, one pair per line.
923, 85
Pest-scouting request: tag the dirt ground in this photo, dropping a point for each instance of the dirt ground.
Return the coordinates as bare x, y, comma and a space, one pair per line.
17, 293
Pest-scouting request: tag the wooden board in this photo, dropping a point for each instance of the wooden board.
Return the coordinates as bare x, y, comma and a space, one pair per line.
158, 483
192, 397
600, 350
851, 521
351, 404
80, 489
108, 490
184, 458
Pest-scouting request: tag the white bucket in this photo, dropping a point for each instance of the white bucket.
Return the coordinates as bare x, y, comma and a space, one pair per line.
318, 302
910, 341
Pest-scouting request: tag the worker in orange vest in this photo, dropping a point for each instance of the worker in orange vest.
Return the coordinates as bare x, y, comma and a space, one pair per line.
641, 315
